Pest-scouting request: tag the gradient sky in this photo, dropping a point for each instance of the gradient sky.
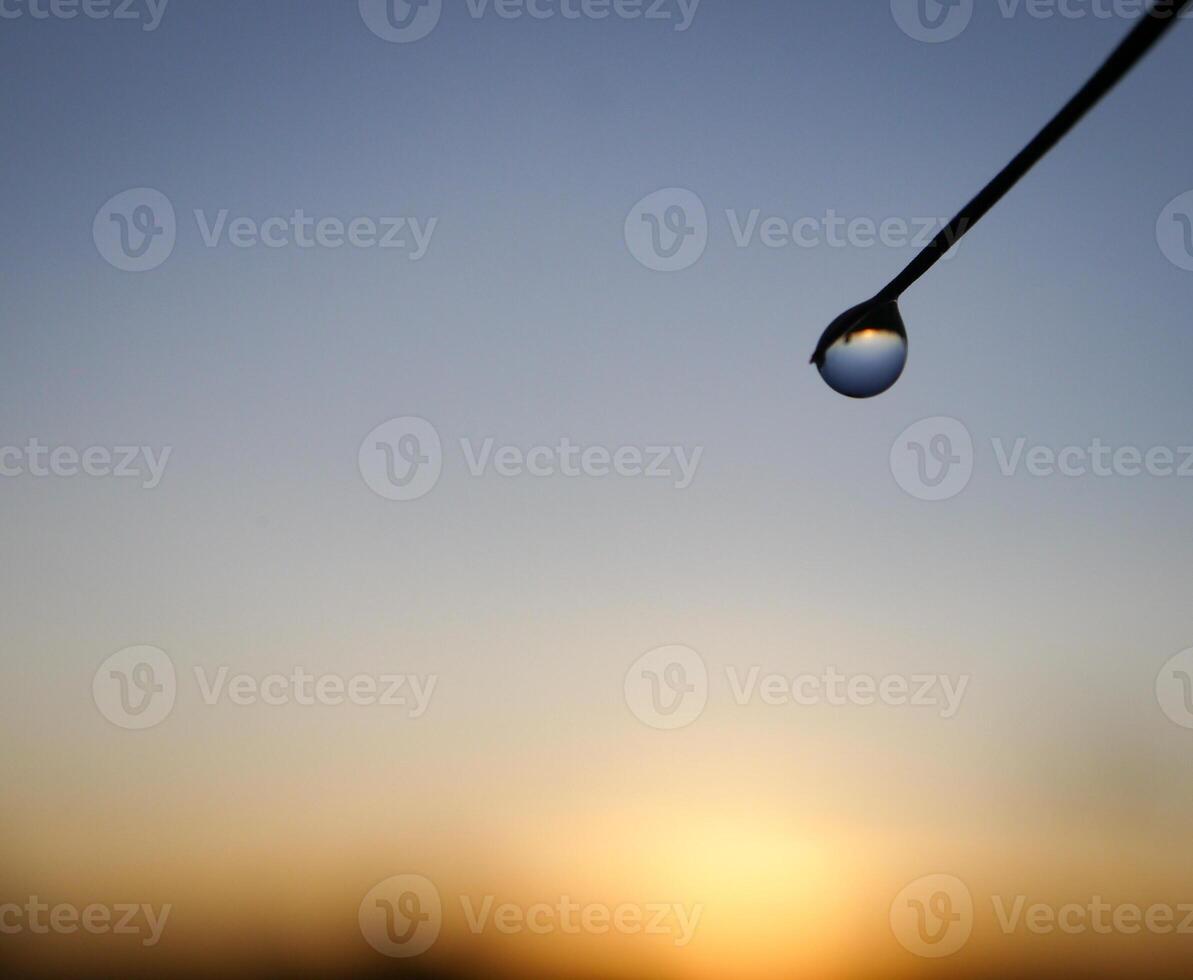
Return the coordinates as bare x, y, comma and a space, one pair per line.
1059, 320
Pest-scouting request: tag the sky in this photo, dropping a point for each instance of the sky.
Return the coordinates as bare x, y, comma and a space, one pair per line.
553, 476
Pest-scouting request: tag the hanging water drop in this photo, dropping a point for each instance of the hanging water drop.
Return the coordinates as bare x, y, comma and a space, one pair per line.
864, 351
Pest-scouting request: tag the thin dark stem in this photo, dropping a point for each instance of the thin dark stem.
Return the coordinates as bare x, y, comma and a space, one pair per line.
1162, 15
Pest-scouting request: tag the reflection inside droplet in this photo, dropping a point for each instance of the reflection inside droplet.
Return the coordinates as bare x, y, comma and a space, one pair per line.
867, 356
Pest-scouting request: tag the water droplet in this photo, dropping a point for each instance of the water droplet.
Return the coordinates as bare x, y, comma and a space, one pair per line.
864, 351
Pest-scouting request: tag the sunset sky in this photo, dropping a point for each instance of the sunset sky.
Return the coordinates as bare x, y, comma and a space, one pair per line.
516, 606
